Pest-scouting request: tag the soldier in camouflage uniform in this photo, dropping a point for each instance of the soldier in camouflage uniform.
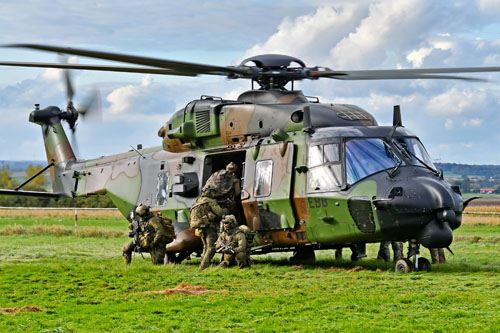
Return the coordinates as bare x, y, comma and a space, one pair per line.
154, 233
227, 186
233, 245
437, 255
205, 217
385, 254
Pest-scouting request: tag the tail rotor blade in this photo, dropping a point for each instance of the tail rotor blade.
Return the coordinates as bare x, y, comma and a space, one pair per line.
67, 80
91, 108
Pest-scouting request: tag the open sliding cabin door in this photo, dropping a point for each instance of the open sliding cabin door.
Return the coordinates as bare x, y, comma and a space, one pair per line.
266, 195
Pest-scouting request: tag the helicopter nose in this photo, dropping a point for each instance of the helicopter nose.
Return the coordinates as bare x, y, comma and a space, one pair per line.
425, 208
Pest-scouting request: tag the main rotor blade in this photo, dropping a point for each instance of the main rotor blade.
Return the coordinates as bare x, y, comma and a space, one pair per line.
405, 77
127, 69
180, 66
395, 74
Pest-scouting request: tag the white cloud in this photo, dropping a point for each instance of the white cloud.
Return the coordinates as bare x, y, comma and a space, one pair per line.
417, 57
51, 74
490, 7
121, 99
448, 124
458, 101
475, 122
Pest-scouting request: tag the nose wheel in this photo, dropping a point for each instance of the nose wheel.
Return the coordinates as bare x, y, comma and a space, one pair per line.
404, 266
419, 264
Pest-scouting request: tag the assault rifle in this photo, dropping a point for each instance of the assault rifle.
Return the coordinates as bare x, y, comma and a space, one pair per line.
225, 247
136, 232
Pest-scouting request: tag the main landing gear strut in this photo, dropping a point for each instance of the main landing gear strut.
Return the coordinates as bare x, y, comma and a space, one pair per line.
405, 265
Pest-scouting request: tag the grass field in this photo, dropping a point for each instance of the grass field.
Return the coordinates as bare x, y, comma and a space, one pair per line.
79, 283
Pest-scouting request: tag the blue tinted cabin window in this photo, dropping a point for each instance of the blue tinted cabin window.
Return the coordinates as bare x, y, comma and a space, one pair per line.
365, 157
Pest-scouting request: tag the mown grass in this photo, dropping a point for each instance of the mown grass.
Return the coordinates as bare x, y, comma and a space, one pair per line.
81, 284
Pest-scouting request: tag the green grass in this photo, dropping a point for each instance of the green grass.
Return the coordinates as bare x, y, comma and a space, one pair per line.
482, 195
81, 284
112, 223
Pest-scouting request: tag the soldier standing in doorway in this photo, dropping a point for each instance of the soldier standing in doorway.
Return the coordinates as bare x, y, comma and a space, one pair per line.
205, 217
227, 187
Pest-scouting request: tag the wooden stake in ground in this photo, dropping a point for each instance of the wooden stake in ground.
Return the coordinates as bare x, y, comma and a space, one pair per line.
76, 220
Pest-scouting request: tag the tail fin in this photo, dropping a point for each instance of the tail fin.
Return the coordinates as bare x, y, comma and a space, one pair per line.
57, 145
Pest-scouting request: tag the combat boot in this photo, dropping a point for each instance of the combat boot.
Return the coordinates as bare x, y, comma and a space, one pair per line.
338, 254
434, 255
127, 258
442, 258
383, 252
397, 248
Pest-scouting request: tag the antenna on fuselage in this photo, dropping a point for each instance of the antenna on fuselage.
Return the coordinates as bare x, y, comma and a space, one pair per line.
396, 118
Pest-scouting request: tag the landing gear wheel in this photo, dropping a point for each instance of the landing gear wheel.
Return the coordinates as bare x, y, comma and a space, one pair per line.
303, 254
404, 266
177, 258
424, 265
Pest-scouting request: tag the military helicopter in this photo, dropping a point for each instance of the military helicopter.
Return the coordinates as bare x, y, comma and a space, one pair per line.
314, 175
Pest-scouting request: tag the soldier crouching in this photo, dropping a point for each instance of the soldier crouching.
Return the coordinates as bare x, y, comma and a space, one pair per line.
232, 243
151, 234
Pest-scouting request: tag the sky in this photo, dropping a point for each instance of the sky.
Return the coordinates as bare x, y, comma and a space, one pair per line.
458, 121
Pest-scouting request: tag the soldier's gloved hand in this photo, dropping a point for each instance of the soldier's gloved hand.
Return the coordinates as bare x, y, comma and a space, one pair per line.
230, 250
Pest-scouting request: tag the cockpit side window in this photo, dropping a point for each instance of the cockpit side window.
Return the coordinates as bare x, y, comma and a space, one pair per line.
324, 168
416, 151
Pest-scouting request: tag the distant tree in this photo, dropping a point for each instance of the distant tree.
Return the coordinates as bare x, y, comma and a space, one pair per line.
475, 188
466, 185
6, 181
38, 183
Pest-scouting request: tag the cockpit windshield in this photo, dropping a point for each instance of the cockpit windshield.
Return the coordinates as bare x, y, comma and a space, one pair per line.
414, 150
366, 156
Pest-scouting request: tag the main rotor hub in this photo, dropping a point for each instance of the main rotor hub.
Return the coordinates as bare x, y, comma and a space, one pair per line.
273, 61
273, 71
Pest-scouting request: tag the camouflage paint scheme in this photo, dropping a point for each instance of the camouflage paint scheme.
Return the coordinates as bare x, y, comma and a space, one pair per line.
263, 125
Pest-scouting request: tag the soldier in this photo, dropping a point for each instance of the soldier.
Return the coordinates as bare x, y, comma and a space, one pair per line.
385, 254
227, 186
151, 234
358, 251
233, 245
437, 255
205, 217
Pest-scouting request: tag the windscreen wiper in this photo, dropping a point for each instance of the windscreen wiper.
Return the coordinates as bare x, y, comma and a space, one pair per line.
409, 154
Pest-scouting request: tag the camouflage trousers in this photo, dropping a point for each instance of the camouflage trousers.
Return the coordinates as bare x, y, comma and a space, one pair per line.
242, 259
385, 254
157, 253
437, 256
208, 238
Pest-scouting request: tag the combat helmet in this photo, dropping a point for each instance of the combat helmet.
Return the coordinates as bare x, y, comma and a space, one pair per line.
230, 221
233, 167
143, 210
209, 190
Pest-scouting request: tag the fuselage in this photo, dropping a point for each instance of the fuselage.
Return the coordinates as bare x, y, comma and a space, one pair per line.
312, 174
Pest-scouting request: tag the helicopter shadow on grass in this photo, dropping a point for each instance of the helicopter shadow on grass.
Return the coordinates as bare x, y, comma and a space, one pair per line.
373, 265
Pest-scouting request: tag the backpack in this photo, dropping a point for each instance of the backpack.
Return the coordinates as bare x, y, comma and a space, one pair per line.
200, 215
224, 184
249, 235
